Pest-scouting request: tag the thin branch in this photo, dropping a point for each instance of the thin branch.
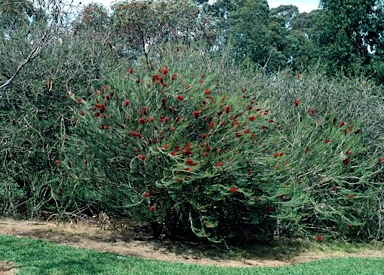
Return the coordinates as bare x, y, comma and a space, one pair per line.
32, 54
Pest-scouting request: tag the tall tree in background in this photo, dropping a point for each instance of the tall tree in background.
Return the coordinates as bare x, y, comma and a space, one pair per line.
258, 36
348, 34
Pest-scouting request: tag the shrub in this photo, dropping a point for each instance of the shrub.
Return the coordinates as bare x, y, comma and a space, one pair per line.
177, 149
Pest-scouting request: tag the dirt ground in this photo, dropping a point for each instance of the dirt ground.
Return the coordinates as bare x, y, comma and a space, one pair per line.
93, 235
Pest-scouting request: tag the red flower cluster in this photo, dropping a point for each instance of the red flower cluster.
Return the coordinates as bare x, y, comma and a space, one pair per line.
233, 189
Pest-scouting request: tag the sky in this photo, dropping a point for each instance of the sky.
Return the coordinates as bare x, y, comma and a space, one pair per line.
303, 5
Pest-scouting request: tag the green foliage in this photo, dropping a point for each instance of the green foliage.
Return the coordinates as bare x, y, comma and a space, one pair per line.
344, 33
292, 163
265, 44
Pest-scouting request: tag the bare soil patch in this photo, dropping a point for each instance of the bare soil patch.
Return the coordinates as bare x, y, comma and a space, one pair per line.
7, 268
92, 235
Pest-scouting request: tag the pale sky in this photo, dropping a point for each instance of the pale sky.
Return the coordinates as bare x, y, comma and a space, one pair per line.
303, 5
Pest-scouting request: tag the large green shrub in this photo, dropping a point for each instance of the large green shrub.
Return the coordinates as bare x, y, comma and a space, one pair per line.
202, 151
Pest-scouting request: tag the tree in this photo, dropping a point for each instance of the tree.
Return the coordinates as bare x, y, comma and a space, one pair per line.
258, 36
139, 25
347, 33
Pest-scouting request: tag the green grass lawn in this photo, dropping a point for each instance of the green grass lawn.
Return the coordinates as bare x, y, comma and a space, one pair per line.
40, 257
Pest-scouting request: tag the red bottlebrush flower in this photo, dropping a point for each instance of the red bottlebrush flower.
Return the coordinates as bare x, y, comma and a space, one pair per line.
350, 226
334, 120
281, 154
270, 209
298, 75
102, 108
174, 153
207, 91
252, 118
202, 76
166, 146
164, 84
79, 100
271, 121
178, 119
211, 125
165, 71
155, 78
287, 184
220, 163
82, 113
244, 90
126, 103
276, 155
97, 105
174, 76
206, 154
196, 114
179, 97
58, 162
326, 141
163, 101
334, 188
142, 120
380, 159
107, 97
227, 109
319, 237
201, 82
203, 136
342, 124
187, 87
187, 169
105, 127
165, 120
152, 208
204, 102
233, 189
346, 161
190, 162
146, 195
130, 71
297, 102
151, 119
247, 131
306, 150
266, 112
311, 112
142, 157
96, 115
264, 127
172, 129
351, 196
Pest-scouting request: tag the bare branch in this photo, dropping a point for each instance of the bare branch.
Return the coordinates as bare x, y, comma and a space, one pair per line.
36, 50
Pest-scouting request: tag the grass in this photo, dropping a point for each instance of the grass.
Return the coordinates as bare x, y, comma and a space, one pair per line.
40, 257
